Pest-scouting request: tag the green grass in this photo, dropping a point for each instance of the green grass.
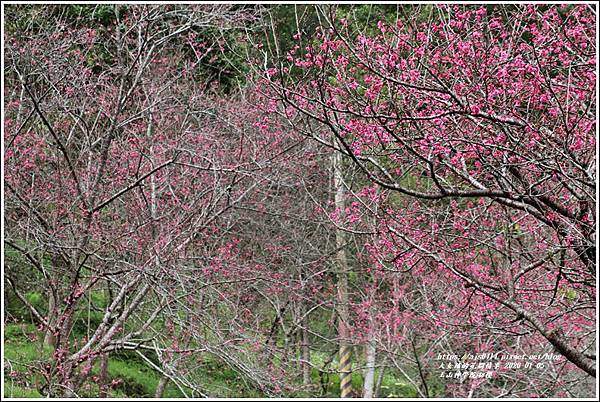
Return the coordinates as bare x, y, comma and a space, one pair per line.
138, 379
23, 352
14, 391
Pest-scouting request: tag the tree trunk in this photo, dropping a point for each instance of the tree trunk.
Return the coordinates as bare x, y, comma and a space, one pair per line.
377, 393
272, 338
103, 376
66, 381
160, 388
50, 337
345, 349
369, 383
53, 308
371, 346
164, 380
305, 354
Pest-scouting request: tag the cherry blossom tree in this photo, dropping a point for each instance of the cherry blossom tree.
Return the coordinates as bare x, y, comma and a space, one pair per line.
115, 177
478, 124
372, 188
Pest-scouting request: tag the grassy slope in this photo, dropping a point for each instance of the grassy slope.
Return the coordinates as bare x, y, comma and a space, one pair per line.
22, 350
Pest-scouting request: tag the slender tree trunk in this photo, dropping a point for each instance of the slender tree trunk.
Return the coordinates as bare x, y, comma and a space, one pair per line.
298, 349
288, 343
164, 380
345, 349
305, 353
422, 374
272, 338
103, 375
160, 388
66, 381
370, 347
67, 368
369, 383
50, 337
176, 361
377, 393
